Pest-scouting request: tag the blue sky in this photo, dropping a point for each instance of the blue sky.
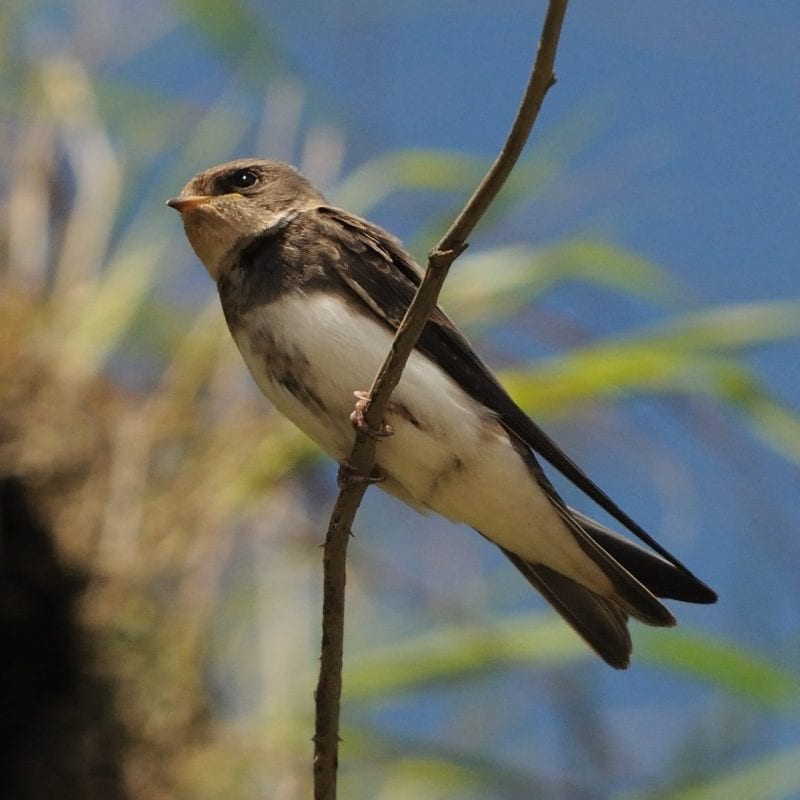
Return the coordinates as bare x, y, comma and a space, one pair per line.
696, 107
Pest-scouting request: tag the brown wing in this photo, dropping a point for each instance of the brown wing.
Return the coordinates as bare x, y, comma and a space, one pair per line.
373, 266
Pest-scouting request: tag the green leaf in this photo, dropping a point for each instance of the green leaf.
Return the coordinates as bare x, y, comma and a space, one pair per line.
772, 777
734, 326
608, 265
432, 170
485, 772
542, 640
488, 286
235, 31
725, 666
424, 170
437, 656
432, 778
693, 355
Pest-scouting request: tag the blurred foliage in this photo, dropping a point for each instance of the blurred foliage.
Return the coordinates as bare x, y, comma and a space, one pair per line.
192, 508
695, 355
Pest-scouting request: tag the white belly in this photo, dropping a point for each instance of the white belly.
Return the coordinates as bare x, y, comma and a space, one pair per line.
448, 453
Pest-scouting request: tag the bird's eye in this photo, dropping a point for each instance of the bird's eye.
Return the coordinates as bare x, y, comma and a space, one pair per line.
243, 179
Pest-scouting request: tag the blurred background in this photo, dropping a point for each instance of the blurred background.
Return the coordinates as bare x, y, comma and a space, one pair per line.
636, 284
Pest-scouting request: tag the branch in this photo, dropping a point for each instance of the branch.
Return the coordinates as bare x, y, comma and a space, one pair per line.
362, 457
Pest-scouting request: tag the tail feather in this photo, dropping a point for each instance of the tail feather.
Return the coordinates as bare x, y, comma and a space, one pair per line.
629, 593
656, 573
638, 576
600, 622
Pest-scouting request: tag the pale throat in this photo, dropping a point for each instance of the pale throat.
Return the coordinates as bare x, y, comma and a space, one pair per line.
213, 238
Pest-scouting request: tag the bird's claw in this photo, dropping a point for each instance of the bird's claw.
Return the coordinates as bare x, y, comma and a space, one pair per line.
358, 418
348, 476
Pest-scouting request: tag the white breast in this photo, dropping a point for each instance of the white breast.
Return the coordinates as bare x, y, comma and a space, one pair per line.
343, 351
448, 454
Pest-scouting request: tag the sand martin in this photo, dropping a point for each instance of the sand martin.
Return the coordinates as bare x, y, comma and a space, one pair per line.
313, 295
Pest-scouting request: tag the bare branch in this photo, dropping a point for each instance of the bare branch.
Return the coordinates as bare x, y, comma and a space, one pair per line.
362, 458
542, 78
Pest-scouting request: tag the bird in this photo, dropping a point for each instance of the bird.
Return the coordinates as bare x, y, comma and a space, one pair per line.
313, 295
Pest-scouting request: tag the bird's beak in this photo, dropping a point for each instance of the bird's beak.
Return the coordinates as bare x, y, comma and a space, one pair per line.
183, 204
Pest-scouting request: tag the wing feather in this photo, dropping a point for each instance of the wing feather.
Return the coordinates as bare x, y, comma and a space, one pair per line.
377, 272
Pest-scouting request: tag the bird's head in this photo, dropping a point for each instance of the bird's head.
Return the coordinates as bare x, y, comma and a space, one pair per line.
225, 206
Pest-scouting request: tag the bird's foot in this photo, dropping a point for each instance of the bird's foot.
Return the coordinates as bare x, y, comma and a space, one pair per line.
359, 419
349, 476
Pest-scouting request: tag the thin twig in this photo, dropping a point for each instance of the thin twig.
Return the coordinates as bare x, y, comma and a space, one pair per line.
362, 458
